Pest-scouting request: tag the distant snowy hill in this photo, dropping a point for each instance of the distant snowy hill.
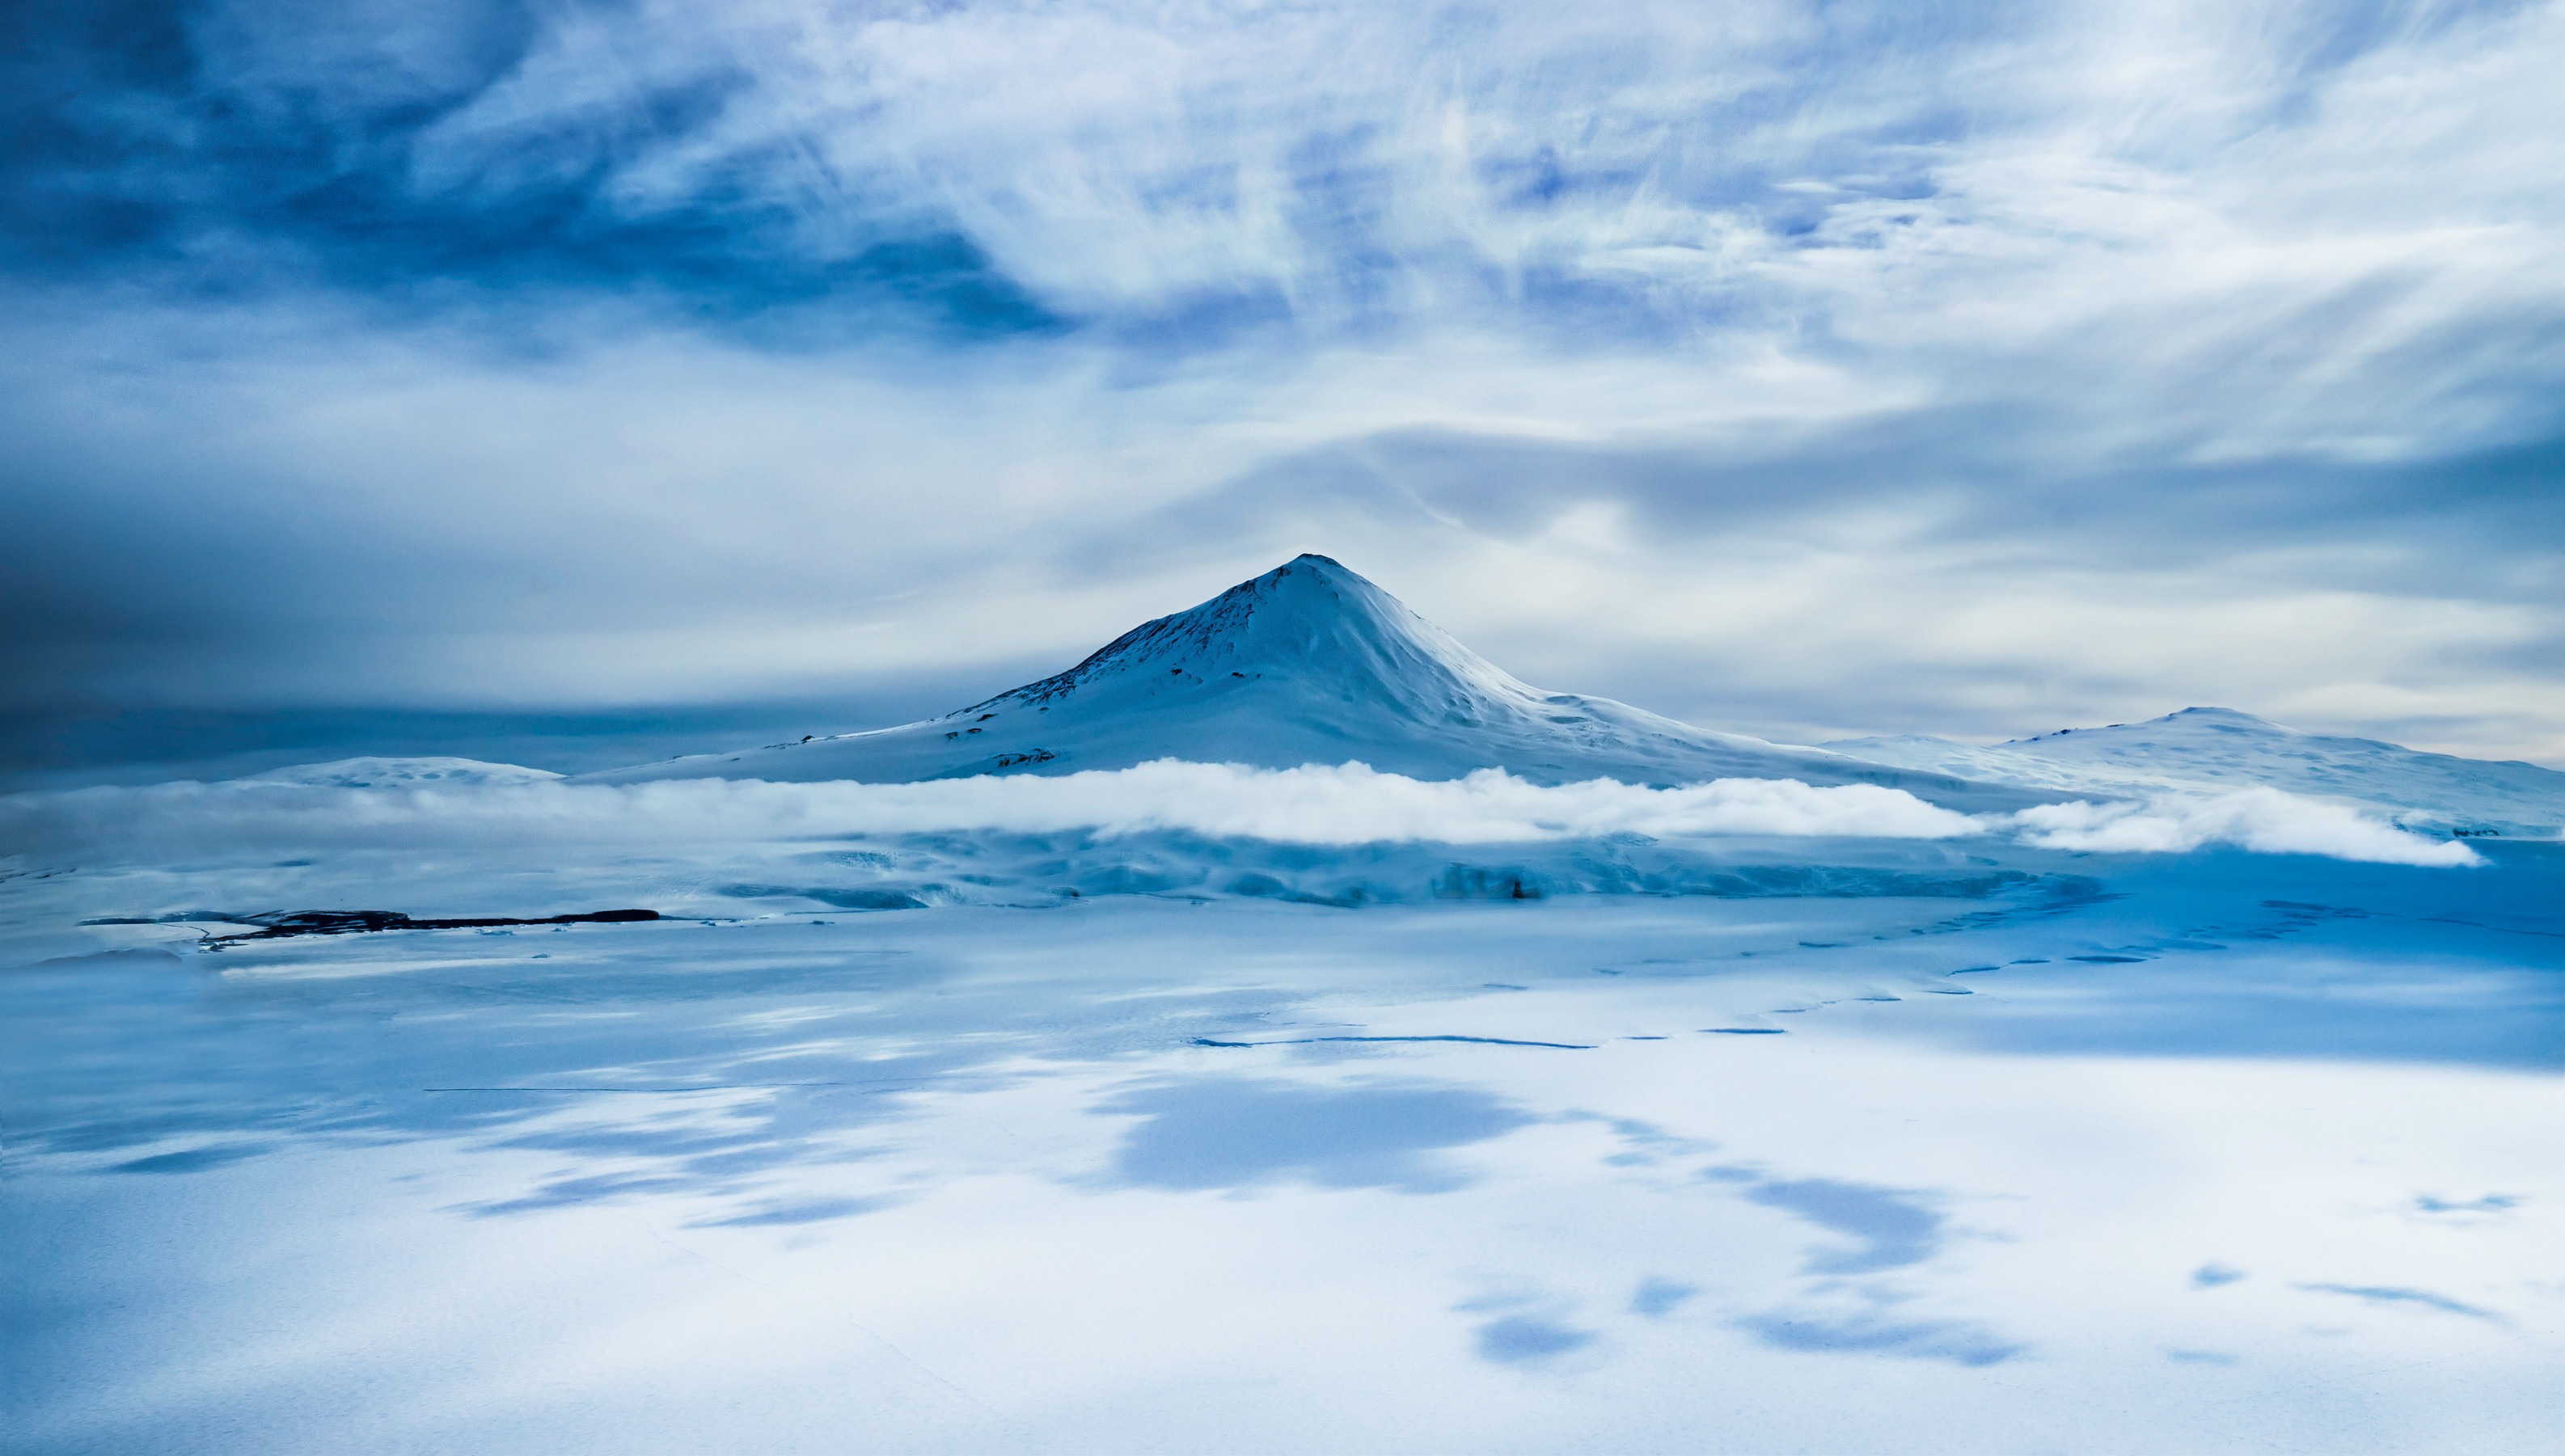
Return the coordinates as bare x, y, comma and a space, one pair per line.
402, 773
2219, 748
1309, 663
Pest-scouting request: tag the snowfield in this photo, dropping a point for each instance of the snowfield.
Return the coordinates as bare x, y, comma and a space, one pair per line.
1351, 1103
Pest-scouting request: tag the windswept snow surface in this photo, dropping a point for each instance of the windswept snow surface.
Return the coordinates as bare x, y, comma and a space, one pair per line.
1838, 1145
1309, 663
2218, 749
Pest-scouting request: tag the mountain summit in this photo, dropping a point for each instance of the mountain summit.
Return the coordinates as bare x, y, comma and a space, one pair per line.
1309, 622
1309, 663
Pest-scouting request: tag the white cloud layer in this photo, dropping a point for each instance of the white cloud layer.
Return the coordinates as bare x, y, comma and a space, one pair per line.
1346, 804
1809, 370
2264, 820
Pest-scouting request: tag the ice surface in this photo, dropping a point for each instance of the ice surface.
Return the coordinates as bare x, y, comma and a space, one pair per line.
1218, 1153
1309, 663
2218, 749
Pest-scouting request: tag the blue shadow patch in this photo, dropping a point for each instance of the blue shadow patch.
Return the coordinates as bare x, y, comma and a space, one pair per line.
1895, 1232
1960, 1344
812, 1210
1527, 1340
2422, 1298
1657, 1298
193, 1160
2489, 1203
568, 1192
1218, 1133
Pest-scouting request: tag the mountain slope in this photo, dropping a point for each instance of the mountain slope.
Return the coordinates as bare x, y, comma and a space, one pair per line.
1307, 663
2221, 748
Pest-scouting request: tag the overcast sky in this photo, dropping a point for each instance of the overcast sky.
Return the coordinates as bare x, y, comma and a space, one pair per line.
1801, 369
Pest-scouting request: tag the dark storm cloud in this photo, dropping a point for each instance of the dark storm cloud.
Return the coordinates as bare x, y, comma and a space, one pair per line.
241, 147
736, 161
1800, 368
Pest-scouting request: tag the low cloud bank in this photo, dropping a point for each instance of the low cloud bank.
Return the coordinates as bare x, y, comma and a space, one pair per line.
1315, 804
2260, 819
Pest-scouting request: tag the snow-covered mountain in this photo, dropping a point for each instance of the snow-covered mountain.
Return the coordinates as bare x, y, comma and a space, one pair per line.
2215, 749
402, 773
1309, 663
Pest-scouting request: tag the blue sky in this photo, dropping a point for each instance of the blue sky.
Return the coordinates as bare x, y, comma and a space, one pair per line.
1801, 369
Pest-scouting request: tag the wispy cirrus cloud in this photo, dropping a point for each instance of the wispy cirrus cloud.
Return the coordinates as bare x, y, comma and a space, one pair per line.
1801, 369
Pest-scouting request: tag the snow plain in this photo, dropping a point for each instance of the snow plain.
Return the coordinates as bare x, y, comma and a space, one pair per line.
1860, 1146
1194, 1107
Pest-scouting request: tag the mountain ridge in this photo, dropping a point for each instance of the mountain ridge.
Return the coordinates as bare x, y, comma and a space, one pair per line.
2198, 750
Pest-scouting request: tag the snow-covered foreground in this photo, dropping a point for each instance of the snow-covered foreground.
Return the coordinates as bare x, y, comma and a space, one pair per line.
1983, 1148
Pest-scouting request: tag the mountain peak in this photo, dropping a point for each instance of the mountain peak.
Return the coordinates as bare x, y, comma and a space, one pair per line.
1309, 663
1311, 621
